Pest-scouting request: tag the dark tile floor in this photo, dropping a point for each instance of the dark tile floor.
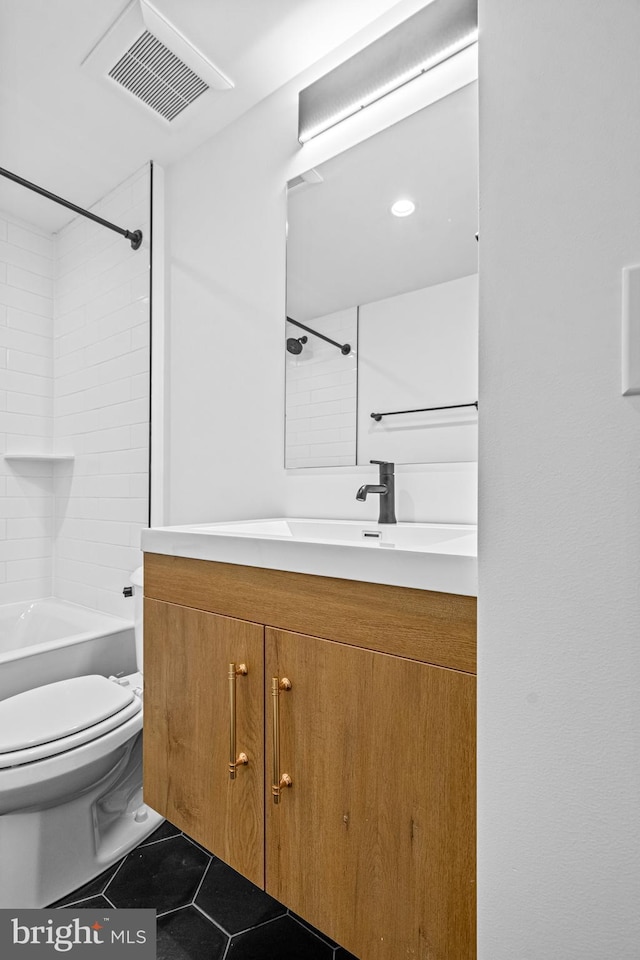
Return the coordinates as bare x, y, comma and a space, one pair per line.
206, 911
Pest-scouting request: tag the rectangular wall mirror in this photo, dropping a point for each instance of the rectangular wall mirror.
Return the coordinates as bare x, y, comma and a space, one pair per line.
400, 291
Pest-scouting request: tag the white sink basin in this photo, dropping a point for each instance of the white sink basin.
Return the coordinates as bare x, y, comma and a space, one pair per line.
413, 536
427, 556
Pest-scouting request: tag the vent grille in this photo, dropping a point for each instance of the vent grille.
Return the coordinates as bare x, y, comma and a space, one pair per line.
151, 72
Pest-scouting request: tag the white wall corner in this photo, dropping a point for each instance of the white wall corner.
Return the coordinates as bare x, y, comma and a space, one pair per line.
159, 300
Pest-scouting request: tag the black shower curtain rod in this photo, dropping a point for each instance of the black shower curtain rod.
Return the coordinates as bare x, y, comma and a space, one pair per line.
134, 236
344, 347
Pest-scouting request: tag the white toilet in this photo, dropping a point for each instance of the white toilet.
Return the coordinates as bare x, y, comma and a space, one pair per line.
71, 782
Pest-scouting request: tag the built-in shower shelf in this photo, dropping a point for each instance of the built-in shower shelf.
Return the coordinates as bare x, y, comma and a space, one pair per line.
39, 456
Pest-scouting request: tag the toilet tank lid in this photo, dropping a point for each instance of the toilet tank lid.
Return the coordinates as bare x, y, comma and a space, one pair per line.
57, 710
136, 577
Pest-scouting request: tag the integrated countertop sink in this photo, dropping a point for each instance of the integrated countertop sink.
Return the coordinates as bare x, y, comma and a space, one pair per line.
426, 556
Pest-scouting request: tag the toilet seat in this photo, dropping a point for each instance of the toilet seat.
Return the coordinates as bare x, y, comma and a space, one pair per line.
52, 719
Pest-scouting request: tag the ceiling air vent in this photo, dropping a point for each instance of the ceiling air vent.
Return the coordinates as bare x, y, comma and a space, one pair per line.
150, 71
149, 58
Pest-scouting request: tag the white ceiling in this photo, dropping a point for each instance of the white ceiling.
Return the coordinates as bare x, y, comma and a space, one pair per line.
79, 136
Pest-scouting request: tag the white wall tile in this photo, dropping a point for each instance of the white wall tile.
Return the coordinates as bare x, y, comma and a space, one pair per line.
25, 528
28, 403
26, 507
13, 592
108, 301
24, 300
29, 322
19, 485
27, 383
139, 485
27, 279
30, 238
71, 363
24, 549
101, 398
29, 363
131, 412
66, 322
140, 435
38, 568
127, 365
77, 593
26, 492
74, 348
140, 337
109, 348
13, 255
22, 424
26, 341
71, 237
123, 509
119, 391
140, 385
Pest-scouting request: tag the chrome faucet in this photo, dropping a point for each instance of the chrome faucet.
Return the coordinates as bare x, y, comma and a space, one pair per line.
386, 489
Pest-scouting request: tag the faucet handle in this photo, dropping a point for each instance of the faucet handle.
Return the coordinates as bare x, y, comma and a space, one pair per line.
384, 463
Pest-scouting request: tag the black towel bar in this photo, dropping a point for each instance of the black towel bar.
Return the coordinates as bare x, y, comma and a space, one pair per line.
393, 413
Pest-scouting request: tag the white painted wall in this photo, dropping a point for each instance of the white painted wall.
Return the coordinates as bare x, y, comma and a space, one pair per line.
226, 214
419, 349
559, 592
225, 350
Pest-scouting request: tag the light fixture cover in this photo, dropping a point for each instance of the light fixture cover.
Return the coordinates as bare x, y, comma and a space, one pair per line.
439, 30
403, 208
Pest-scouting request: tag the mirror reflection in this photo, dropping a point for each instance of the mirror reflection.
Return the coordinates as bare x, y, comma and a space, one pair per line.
382, 256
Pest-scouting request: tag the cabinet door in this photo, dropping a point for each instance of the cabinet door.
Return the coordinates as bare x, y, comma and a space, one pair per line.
187, 723
374, 841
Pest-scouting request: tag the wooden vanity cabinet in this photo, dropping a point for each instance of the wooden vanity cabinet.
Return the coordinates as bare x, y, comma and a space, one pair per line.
374, 841
186, 730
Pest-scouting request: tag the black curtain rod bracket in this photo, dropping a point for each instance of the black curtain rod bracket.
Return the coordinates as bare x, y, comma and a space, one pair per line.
345, 348
133, 236
394, 413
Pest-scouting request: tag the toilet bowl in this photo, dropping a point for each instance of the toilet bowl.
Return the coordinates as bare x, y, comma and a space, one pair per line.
70, 782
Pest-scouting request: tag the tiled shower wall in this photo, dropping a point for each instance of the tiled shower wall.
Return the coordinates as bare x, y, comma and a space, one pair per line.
26, 389
101, 400
321, 394
74, 317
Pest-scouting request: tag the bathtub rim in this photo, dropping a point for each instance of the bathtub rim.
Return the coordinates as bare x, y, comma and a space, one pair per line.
107, 625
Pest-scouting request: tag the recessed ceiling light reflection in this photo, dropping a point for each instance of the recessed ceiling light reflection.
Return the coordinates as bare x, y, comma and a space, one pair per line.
403, 208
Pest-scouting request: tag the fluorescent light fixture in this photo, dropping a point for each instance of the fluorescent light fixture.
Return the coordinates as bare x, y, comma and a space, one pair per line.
433, 34
403, 208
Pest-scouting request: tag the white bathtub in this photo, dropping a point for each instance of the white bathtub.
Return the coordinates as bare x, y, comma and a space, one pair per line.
42, 641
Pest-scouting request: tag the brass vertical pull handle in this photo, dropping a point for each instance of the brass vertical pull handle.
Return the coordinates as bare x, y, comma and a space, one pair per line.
242, 757
278, 781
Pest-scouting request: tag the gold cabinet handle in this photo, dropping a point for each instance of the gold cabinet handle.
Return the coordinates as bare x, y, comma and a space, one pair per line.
234, 761
278, 781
